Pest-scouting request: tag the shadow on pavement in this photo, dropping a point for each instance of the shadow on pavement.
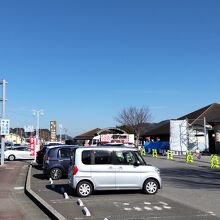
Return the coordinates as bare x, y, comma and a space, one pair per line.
40, 176
59, 188
37, 166
191, 178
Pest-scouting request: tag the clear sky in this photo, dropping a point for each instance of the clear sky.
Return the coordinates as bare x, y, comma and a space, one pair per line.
83, 61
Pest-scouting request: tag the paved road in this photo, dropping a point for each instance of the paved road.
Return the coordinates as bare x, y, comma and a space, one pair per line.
127, 205
193, 184
14, 204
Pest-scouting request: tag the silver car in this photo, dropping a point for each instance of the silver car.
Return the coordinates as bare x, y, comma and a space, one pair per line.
111, 168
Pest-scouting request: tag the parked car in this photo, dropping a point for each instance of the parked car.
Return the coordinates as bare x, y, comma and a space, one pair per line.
18, 153
40, 154
111, 168
56, 161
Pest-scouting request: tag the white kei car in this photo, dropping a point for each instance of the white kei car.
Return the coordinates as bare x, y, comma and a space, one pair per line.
18, 153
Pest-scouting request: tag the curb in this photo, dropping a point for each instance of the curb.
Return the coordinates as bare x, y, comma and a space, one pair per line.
44, 206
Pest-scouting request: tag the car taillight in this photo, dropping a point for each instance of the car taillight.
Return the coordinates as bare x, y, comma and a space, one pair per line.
47, 159
75, 170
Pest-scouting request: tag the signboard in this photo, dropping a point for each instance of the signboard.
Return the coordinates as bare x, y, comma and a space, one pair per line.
29, 128
5, 126
53, 130
178, 135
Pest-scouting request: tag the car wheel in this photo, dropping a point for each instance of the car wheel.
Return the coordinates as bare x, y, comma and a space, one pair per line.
56, 173
84, 189
150, 186
11, 157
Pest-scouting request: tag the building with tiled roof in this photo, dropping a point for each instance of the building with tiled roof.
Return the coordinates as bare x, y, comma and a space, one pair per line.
209, 113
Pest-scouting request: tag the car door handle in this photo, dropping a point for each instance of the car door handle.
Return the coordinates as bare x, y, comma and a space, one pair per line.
120, 168
111, 167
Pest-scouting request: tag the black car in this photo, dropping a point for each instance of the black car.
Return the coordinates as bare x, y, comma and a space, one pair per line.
57, 160
42, 151
40, 154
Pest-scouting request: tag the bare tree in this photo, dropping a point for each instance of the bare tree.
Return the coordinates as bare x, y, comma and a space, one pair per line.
135, 118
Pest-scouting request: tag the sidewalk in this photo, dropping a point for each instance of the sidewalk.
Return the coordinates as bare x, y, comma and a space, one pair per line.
14, 204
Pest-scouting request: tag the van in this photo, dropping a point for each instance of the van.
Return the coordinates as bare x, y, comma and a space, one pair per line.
111, 168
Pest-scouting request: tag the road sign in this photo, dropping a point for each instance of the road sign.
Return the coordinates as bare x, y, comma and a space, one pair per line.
5, 126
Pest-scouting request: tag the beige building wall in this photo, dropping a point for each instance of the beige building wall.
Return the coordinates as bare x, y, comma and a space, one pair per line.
16, 139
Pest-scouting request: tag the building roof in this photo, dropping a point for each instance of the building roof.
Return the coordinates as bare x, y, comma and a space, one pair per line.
210, 112
98, 131
88, 135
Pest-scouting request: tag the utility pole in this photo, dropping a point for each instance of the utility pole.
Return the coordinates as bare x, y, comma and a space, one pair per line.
3, 99
37, 113
205, 134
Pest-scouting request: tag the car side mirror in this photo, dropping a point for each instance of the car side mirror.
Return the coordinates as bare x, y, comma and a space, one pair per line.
137, 163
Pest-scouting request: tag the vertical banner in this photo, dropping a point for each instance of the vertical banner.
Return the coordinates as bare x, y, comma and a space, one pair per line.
32, 146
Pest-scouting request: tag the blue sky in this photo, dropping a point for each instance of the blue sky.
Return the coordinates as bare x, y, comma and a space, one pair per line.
83, 61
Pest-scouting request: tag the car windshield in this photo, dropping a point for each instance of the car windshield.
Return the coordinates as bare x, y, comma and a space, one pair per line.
20, 148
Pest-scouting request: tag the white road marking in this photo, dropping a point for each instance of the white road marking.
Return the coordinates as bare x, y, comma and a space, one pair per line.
127, 209
125, 203
167, 207
138, 209
163, 203
18, 187
211, 213
147, 203
157, 208
147, 208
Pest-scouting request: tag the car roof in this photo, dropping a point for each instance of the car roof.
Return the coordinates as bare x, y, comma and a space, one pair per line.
61, 146
105, 147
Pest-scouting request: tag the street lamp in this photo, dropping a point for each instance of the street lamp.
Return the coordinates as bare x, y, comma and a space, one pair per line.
61, 127
37, 113
65, 132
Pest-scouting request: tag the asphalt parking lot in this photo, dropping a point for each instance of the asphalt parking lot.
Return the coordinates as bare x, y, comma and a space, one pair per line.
110, 205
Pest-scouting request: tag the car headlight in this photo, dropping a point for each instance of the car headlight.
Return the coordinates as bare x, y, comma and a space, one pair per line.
157, 170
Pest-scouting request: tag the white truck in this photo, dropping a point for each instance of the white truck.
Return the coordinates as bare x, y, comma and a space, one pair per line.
113, 138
